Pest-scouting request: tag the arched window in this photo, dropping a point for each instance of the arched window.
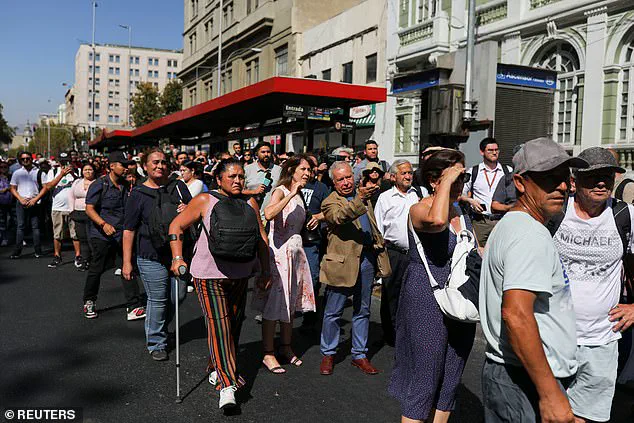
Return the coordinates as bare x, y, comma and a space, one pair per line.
562, 58
625, 107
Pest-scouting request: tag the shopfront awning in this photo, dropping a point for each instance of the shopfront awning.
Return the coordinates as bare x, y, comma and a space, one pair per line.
250, 111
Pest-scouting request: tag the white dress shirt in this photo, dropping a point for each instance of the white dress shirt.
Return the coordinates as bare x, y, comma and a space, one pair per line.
391, 212
485, 184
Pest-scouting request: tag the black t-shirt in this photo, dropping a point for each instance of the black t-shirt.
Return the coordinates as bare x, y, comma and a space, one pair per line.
137, 215
314, 193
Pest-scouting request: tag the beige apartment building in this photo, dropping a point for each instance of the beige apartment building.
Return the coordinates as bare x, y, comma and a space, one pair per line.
260, 39
118, 71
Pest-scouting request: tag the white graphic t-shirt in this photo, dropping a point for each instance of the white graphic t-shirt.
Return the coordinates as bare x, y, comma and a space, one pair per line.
592, 253
61, 199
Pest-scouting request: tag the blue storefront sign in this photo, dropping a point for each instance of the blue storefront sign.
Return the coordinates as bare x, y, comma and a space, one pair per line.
526, 77
419, 81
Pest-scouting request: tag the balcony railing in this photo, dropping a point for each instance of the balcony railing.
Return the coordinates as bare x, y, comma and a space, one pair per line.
492, 12
540, 3
417, 33
626, 157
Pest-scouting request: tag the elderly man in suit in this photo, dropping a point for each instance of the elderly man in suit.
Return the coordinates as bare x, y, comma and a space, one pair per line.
355, 255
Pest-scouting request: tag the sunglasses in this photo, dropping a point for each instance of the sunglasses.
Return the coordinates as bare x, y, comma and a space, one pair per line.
25, 159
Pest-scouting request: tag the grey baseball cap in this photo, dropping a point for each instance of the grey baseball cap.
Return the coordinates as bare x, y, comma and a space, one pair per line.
543, 154
599, 158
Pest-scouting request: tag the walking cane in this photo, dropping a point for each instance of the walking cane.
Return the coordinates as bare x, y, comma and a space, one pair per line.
182, 270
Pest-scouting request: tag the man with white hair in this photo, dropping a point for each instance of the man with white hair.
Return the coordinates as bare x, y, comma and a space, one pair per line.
355, 255
391, 212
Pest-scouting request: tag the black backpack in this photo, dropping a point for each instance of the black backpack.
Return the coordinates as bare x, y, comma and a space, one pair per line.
164, 210
234, 230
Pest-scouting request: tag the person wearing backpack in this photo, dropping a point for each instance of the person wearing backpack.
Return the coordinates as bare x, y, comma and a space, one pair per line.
482, 181
106, 200
526, 306
593, 236
231, 249
431, 349
167, 197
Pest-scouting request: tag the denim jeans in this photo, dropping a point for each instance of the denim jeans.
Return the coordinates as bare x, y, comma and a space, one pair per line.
335, 302
32, 216
159, 286
312, 255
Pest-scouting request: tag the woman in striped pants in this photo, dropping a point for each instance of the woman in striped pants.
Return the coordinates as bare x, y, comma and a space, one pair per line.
221, 284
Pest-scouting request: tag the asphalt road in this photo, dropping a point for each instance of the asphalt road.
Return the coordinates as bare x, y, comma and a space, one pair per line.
52, 357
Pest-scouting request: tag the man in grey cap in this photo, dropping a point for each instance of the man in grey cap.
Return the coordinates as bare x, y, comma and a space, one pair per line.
525, 301
592, 236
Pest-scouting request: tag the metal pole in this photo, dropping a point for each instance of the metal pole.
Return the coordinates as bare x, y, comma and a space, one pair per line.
219, 46
468, 112
129, 67
92, 118
48, 148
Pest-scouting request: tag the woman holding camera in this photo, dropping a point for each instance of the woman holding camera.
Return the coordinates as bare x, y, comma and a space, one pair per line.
431, 349
291, 283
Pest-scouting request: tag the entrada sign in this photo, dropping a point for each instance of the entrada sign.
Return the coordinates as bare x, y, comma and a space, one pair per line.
526, 76
308, 112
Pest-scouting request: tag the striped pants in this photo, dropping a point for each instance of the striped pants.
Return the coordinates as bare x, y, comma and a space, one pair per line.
223, 302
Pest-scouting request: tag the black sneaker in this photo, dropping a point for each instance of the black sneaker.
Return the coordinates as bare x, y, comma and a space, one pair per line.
57, 260
159, 355
15, 255
38, 255
78, 261
89, 310
83, 266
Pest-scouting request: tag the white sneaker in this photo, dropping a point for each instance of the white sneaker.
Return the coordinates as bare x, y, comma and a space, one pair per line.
258, 318
190, 288
213, 378
228, 397
117, 272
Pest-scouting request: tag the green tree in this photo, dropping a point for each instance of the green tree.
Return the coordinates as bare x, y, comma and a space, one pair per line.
145, 104
61, 139
172, 97
6, 132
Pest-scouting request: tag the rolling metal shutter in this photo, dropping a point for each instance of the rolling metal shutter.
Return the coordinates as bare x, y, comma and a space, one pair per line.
521, 114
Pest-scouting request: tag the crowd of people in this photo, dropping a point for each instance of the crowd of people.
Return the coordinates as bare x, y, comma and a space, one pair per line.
539, 253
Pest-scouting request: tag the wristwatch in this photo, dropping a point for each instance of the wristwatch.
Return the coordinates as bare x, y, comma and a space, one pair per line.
174, 237
176, 258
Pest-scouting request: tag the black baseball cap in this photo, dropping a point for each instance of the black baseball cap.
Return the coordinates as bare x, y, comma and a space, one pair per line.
119, 157
599, 158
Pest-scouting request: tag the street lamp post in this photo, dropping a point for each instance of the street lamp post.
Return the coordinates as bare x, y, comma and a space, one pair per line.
92, 116
129, 28
221, 14
232, 54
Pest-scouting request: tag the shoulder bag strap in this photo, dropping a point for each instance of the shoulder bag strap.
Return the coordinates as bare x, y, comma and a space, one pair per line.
421, 253
618, 193
474, 175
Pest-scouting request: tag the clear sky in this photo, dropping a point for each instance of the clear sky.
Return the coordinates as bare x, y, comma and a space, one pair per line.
39, 39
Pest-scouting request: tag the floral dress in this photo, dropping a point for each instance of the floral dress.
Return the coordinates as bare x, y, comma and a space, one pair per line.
291, 283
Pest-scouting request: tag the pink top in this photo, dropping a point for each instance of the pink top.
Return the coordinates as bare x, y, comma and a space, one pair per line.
77, 195
205, 266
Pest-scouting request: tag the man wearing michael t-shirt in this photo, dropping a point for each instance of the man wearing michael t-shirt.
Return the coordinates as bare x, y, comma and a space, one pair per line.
591, 243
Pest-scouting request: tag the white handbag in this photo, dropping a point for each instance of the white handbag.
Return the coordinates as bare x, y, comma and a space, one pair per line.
450, 298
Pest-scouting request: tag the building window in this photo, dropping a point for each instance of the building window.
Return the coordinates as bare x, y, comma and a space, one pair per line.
175, 63
117, 59
253, 71
562, 58
97, 57
625, 98
226, 82
346, 72
192, 43
192, 96
155, 84
207, 90
96, 105
209, 27
194, 8
111, 58
370, 68
156, 74
403, 133
227, 15
117, 71
281, 61
326, 75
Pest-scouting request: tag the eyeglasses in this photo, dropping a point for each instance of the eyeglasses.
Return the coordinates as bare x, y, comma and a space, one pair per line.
25, 159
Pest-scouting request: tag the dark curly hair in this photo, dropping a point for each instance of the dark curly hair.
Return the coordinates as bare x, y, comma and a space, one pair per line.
436, 163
